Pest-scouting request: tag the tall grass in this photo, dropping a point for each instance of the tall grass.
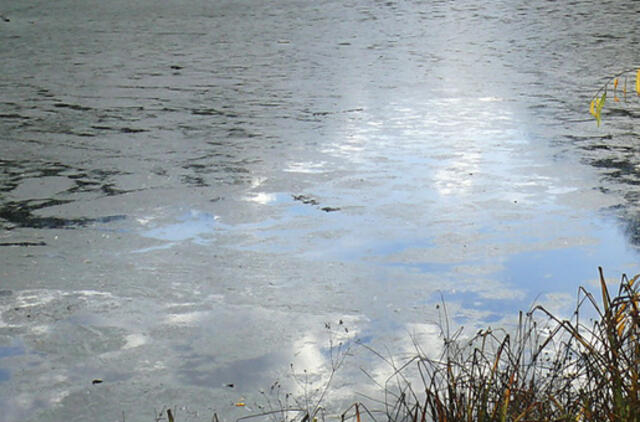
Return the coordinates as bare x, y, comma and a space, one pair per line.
549, 369
582, 369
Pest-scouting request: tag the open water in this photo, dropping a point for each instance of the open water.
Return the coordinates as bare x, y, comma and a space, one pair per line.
190, 191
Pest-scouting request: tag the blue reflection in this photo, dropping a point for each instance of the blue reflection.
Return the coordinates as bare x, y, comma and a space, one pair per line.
424, 267
7, 351
535, 275
192, 225
550, 270
301, 210
563, 270
496, 308
383, 247
11, 351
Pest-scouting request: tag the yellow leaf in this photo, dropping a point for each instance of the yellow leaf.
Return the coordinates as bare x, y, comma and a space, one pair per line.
239, 404
619, 316
615, 83
638, 82
592, 107
599, 105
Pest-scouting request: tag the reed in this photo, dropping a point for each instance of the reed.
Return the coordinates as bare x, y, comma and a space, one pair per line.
582, 369
549, 369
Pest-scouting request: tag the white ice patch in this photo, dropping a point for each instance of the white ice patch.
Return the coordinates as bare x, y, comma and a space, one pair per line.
90, 293
262, 198
188, 318
134, 340
144, 220
57, 397
40, 330
30, 298
308, 167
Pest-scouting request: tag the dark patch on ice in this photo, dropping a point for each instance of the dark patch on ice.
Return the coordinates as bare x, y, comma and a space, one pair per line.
308, 200
208, 112
13, 116
21, 215
119, 129
305, 199
72, 106
22, 244
330, 209
132, 130
243, 374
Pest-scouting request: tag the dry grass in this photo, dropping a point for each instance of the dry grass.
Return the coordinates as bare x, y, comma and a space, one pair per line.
548, 370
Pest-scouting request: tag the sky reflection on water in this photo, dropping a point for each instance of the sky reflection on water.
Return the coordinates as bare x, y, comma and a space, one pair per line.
190, 191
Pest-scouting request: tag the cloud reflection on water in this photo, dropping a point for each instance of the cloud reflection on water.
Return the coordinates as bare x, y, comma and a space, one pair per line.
408, 117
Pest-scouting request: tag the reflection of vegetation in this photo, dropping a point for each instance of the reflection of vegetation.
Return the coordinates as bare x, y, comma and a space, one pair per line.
619, 89
310, 406
550, 369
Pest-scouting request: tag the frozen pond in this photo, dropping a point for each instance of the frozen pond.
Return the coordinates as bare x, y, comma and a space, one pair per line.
190, 191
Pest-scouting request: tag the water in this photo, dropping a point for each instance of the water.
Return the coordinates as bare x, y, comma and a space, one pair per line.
190, 191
